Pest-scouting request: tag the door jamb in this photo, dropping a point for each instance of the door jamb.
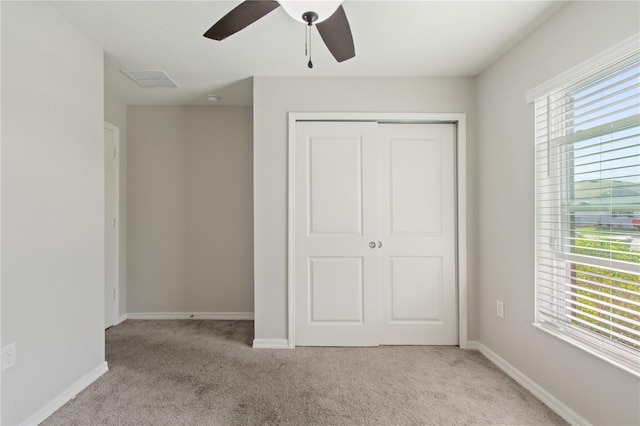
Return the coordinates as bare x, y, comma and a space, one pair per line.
460, 120
116, 132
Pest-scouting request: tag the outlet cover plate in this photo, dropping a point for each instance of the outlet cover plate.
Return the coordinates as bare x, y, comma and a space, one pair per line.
500, 309
8, 356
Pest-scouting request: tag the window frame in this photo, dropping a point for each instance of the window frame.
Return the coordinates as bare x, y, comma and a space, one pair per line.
605, 349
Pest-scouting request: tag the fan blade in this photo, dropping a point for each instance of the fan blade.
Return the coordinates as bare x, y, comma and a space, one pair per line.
336, 34
243, 15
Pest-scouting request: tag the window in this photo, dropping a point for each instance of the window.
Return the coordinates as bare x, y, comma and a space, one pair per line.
588, 211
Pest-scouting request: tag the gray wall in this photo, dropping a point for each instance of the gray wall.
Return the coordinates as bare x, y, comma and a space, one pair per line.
52, 206
273, 98
190, 214
115, 112
601, 393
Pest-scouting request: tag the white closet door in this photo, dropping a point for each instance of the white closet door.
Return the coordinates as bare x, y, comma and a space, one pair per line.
336, 217
374, 221
417, 227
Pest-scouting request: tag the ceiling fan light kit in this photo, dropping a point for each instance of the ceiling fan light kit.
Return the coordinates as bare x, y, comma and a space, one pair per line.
322, 9
328, 16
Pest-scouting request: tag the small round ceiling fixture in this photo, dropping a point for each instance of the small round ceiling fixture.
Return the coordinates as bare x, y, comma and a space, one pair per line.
213, 98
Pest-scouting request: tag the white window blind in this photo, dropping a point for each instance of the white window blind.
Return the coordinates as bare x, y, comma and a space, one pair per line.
588, 211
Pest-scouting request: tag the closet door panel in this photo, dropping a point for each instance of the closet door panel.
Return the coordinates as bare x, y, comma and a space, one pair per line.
415, 289
336, 272
415, 187
335, 185
417, 232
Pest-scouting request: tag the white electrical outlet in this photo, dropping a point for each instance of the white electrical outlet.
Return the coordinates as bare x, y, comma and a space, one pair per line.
8, 356
500, 309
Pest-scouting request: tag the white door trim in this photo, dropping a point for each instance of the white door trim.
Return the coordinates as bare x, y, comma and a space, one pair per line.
460, 120
115, 315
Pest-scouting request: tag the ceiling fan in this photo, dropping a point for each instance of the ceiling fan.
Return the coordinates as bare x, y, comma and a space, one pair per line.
328, 16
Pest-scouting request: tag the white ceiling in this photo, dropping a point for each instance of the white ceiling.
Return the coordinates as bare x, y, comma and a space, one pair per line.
392, 38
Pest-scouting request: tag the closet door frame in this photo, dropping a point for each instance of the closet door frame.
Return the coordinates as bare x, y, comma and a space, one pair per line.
459, 121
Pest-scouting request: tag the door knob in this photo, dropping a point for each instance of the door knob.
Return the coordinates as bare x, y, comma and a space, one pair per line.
372, 245
379, 244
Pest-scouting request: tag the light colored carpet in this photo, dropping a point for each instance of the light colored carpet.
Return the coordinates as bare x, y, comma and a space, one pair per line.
206, 373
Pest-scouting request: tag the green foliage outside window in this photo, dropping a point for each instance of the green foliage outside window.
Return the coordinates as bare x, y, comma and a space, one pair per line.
597, 279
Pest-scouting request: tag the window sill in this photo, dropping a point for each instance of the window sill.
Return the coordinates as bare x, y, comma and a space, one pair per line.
609, 357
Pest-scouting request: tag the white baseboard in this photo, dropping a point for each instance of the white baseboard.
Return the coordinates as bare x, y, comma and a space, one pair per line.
190, 315
538, 391
67, 395
271, 344
122, 318
472, 345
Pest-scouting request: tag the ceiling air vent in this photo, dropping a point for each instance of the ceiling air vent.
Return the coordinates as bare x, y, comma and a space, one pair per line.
150, 78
